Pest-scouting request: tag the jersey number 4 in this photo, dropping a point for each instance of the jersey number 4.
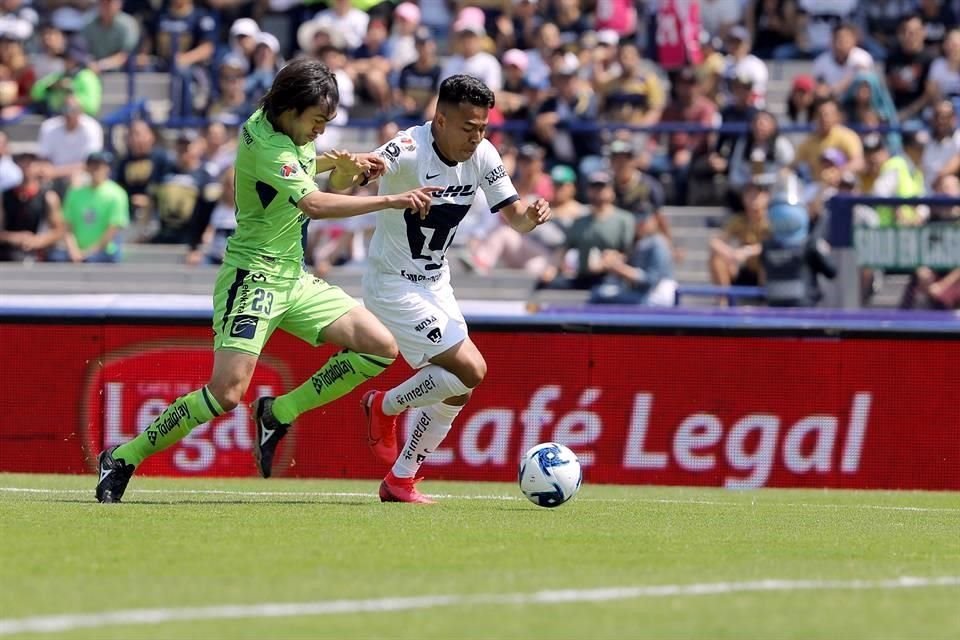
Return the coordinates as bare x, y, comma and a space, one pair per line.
429, 239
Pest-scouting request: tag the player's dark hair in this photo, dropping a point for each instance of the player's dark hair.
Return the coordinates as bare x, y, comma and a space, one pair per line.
464, 89
302, 84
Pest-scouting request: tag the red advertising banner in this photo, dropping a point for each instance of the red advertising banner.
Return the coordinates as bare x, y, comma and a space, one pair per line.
737, 412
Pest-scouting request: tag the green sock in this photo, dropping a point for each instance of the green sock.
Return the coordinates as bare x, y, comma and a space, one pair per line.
343, 372
171, 426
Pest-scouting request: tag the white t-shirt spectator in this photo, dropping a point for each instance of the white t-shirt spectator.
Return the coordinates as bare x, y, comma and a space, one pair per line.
936, 155
62, 147
827, 69
823, 16
716, 13
352, 26
946, 79
482, 65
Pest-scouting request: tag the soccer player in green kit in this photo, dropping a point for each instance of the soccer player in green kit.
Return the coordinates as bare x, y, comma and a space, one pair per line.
262, 285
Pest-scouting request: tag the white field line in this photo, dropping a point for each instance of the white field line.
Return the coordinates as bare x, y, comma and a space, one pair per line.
360, 494
70, 622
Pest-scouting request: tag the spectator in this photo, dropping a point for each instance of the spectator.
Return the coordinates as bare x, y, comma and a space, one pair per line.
570, 20
838, 67
564, 205
76, 79
401, 45
619, 16
95, 214
111, 36
732, 260
185, 46
772, 23
635, 95
710, 72
547, 42
720, 16
634, 189
746, 67
231, 105
762, 152
792, 258
266, 63
186, 196
816, 20
938, 18
140, 172
574, 105
222, 225
313, 37
801, 100
418, 83
867, 103
219, 147
31, 220
937, 288
689, 152
834, 172
346, 20
828, 133
679, 21
470, 58
18, 20
942, 155
901, 177
16, 77
739, 109
517, 28
882, 19
10, 173
907, 69
370, 66
607, 227
944, 78
67, 140
530, 180
53, 47
243, 40
645, 275
517, 95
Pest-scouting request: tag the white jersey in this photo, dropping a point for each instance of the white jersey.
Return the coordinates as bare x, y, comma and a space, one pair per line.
405, 245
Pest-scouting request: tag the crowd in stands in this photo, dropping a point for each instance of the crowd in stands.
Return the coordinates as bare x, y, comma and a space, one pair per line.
878, 98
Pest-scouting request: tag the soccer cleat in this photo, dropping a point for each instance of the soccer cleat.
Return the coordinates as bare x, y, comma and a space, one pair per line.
114, 476
381, 428
394, 489
270, 432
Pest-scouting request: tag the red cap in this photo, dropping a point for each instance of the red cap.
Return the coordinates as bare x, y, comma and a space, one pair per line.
803, 83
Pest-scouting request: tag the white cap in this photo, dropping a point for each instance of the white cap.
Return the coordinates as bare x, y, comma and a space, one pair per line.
268, 39
244, 27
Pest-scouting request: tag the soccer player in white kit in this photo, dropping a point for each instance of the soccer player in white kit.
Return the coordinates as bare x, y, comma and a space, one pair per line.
407, 285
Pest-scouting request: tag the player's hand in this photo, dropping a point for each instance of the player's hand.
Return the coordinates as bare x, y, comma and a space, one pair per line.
539, 212
417, 200
371, 165
344, 162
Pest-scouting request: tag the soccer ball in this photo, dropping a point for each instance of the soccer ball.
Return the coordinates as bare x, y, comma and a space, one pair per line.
550, 474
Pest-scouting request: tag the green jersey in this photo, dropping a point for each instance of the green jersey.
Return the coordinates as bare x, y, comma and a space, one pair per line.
90, 211
272, 175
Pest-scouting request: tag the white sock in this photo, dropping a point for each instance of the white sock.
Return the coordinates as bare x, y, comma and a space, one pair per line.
431, 427
430, 385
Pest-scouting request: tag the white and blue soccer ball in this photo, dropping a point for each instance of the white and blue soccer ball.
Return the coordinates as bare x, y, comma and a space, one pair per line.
550, 474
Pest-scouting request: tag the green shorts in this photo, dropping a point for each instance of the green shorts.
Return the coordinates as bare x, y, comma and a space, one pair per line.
249, 306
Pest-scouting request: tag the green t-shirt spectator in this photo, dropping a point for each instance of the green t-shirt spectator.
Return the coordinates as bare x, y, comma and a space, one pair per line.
53, 90
90, 211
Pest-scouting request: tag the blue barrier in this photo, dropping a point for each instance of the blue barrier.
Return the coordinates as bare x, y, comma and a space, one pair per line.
733, 294
840, 231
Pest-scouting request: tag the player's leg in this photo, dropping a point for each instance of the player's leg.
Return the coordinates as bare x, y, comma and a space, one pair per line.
324, 313
433, 422
247, 308
232, 371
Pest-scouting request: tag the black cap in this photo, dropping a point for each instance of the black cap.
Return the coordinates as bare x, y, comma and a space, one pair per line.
100, 156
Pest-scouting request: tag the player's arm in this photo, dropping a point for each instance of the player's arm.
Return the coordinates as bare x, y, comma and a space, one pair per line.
321, 205
525, 218
499, 189
350, 169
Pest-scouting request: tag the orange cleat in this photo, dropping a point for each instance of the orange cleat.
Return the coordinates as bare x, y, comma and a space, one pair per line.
394, 489
381, 428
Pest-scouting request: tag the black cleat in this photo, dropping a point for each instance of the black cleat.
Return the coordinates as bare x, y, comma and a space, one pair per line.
114, 476
269, 434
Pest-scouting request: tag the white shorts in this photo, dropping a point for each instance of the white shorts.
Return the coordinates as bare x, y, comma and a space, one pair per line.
425, 322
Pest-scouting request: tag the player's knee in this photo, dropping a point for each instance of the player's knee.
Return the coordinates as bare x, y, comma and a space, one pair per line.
471, 373
383, 345
227, 395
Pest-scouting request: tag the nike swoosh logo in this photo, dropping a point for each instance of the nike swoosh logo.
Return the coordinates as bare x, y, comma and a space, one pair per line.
265, 435
431, 177
104, 473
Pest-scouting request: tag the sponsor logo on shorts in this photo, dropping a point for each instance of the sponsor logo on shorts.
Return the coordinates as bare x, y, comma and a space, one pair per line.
244, 327
425, 323
434, 335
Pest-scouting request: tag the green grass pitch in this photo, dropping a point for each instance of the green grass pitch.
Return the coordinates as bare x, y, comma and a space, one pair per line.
201, 559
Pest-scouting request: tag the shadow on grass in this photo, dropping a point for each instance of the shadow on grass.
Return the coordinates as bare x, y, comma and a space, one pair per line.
91, 500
